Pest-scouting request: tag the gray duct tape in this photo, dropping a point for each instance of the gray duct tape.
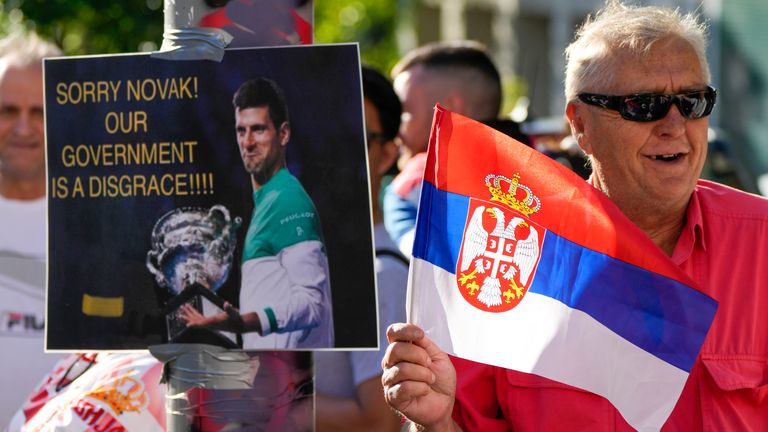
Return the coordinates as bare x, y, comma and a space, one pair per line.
193, 44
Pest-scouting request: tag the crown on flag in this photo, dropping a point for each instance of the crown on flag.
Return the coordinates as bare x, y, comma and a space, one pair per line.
131, 401
516, 196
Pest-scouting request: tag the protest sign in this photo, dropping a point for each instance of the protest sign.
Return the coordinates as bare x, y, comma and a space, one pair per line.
148, 195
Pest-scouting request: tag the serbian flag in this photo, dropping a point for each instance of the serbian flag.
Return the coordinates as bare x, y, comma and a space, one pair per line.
519, 263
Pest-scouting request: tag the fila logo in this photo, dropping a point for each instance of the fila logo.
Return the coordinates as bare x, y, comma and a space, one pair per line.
20, 323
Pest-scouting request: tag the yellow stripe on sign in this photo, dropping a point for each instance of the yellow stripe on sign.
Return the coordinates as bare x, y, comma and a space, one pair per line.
108, 307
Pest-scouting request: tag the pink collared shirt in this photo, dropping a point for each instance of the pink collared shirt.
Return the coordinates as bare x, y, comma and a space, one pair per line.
723, 247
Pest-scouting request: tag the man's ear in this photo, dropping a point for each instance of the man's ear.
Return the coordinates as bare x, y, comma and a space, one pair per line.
575, 113
285, 133
456, 103
389, 154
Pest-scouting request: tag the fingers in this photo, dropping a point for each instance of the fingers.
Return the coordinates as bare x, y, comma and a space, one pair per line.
405, 359
416, 377
405, 383
189, 314
400, 396
184, 310
404, 345
398, 352
404, 332
404, 372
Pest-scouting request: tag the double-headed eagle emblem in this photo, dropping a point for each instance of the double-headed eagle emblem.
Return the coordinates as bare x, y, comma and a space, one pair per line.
500, 249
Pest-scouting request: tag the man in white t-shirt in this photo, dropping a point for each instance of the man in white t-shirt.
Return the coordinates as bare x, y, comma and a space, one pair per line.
22, 219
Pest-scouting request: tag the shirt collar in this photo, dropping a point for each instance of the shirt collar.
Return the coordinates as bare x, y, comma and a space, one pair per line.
270, 184
692, 233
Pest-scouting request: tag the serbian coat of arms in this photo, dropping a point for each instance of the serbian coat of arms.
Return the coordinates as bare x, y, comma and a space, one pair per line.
501, 246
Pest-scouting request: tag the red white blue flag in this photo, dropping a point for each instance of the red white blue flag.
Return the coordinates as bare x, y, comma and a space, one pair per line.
521, 264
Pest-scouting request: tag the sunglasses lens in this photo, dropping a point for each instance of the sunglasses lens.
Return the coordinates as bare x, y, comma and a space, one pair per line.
646, 108
695, 105
652, 107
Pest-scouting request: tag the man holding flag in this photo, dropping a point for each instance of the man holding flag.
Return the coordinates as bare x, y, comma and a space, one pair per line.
584, 321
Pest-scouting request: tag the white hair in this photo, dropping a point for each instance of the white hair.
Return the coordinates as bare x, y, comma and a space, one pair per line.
621, 27
24, 49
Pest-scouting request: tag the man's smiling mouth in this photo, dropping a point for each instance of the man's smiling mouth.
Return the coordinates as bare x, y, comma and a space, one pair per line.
666, 157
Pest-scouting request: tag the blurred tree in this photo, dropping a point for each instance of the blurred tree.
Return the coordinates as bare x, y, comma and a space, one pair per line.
89, 26
105, 27
102, 27
372, 23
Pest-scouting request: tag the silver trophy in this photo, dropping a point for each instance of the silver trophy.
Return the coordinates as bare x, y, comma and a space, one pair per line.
191, 255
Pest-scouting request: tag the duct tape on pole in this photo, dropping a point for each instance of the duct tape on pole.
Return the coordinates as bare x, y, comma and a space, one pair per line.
212, 388
183, 39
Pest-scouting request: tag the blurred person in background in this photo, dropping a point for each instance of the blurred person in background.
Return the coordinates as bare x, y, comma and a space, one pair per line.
22, 218
349, 391
460, 76
552, 137
37, 386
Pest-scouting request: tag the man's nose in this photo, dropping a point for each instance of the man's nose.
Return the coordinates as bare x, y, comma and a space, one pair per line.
673, 124
245, 140
23, 124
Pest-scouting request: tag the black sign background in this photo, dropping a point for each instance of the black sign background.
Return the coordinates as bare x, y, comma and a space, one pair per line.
98, 244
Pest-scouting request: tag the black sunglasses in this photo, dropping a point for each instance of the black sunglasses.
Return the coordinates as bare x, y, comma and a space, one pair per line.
648, 107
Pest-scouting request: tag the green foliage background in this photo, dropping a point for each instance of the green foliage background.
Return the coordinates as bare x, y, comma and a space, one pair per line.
108, 26
372, 23
89, 26
117, 26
